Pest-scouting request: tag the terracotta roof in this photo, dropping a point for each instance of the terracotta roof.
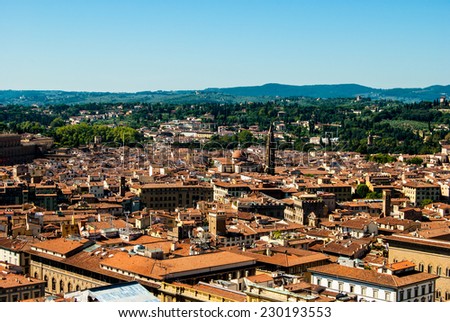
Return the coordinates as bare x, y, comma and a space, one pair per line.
372, 277
357, 223
145, 239
417, 184
15, 280
393, 221
285, 259
161, 269
61, 245
223, 292
260, 278
434, 233
345, 247
14, 244
91, 261
401, 265
418, 241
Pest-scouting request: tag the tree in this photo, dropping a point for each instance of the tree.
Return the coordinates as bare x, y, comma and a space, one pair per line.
415, 160
425, 202
245, 137
276, 234
382, 158
57, 122
373, 195
362, 190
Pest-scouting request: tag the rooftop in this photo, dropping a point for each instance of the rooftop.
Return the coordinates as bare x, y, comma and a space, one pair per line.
15, 280
177, 267
372, 277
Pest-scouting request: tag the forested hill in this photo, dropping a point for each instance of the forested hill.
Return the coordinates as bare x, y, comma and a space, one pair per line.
222, 95
279, 90
337, 91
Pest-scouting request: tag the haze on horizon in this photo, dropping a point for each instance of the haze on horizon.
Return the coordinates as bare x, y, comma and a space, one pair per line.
129, 46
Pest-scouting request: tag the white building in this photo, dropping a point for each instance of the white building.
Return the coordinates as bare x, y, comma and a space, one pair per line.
398, 282
97, 189
419, 191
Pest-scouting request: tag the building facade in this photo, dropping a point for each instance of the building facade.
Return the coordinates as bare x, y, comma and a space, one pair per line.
420, 191
431, 256
15, 287
375, 286
172, 196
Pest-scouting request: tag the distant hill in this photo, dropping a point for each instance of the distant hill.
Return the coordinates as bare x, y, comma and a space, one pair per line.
222, 95
272, 90
334, 91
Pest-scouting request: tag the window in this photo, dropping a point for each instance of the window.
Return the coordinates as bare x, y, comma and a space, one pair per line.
341, 286
430, 269
423, 289
416, 291
375, 293
408, 294
401, 295
363, 290
352, 288
329, 283
430, 288
387, 296
319, 280
421, 267
439, 270
447, 272
447, 296
53, 284
438, 294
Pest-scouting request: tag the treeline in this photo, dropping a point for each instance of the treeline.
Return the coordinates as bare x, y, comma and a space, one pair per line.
82, 134
395, 127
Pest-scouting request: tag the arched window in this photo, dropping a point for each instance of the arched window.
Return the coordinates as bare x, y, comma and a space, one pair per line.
77, 288
69, 287
36, 275
53, 284
447, 296
438, 294
447, 272
439, 270
421, 267
61, 286
430, 268
46, 280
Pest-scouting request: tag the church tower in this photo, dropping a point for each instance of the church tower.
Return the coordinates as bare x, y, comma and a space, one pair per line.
217, 222
270, 152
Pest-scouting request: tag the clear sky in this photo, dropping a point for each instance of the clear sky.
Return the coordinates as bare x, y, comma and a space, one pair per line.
135, 45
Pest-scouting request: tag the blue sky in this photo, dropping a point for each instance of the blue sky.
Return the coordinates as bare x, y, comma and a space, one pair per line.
140, 45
